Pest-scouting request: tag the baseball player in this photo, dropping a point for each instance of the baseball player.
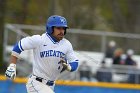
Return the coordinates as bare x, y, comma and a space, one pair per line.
53, 54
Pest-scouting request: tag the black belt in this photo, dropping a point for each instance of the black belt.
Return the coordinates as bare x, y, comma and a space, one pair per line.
49, 82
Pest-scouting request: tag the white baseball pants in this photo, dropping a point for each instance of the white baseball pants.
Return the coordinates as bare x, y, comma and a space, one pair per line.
34, 86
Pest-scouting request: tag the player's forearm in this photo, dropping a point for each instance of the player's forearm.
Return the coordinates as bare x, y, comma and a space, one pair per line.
11, 69
15, 53
13, 59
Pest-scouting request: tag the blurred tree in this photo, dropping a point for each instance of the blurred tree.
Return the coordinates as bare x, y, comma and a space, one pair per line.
122, 14
134, 14
105, 15
54, 8
2, 16
24, 11
126, 21
119, 15
118, 18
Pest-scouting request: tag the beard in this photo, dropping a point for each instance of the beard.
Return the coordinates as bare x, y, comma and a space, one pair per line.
60, 36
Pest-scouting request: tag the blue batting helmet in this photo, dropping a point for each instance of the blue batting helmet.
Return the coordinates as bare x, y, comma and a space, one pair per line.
55, 21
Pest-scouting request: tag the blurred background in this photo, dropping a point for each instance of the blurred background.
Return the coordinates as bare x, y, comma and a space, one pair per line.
105, 35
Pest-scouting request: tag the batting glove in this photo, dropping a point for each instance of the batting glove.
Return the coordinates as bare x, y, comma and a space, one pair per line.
11, 71
65, 65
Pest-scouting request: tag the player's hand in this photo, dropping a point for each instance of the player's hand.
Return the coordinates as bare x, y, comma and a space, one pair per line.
65, 65
11, 71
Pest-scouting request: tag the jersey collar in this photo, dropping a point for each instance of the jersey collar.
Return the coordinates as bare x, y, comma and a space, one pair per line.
52, 38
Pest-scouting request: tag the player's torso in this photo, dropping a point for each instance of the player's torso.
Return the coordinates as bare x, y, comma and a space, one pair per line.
48, 55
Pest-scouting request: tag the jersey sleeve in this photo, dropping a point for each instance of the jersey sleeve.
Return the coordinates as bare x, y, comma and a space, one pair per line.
29, 42
70, 56
72, 59
26, 44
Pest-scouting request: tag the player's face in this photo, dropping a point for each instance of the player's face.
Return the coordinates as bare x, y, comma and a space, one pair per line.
58, 33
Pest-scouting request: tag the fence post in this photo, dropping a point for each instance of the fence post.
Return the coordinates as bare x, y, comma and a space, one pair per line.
103, 43
5, 41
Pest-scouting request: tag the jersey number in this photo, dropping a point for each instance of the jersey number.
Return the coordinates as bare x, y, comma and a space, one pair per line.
60, 67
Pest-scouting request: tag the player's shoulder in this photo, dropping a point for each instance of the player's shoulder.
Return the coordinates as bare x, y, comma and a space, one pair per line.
39, 36
67, 42
35, 39
36, 36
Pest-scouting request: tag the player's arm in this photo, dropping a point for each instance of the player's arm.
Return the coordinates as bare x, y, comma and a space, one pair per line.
11, 69
72, 61
72, 66
24, 44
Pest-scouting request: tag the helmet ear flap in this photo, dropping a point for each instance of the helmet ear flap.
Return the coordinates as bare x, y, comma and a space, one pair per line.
52, 29
49, 30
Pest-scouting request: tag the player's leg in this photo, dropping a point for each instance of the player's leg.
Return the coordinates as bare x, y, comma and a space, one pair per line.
34, 86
